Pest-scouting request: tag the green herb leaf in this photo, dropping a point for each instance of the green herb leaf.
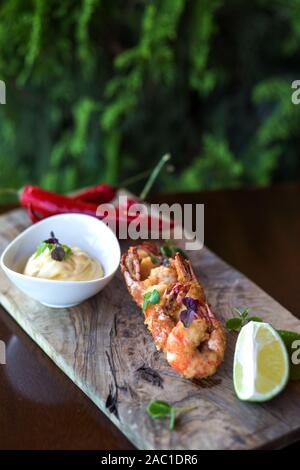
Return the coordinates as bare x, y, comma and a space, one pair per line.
68, 251
166, 251
159, 409
172, 419
42, 247
151, 298
242, 312
162, 409
53, 244
169, 249
288, 336
234, 324
154, 297
258, 319
146, 300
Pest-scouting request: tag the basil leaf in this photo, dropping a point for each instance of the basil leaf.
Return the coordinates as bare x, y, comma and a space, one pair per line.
169, 249
288, 336
52, 244
243, 313
159, 409
154, 297
166, 251
234, 324
146, 300
151, 298
42, 247
163, 409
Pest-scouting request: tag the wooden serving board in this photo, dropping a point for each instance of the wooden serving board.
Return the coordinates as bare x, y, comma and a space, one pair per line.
104, 347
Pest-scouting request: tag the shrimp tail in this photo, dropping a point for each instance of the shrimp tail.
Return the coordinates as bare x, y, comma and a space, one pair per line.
130, 268
184, 269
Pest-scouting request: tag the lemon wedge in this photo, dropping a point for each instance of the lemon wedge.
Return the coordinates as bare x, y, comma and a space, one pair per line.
261, 363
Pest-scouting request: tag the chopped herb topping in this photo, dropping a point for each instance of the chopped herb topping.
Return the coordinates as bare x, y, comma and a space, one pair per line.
41, 248
237, 322
166, 251
169, 250
59, 252
151, 298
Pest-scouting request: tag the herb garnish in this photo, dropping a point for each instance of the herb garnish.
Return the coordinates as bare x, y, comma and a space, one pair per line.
169, 249
59, 252
236, 323
190, 314
158, 409
151, 298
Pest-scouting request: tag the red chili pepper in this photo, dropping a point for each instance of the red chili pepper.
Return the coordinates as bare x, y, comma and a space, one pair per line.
99, 194
47, 203
41, 203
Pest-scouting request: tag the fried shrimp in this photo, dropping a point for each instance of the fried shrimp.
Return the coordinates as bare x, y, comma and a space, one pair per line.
180, 320
197, 350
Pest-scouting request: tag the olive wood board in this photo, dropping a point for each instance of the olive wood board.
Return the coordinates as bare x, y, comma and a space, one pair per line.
106, 350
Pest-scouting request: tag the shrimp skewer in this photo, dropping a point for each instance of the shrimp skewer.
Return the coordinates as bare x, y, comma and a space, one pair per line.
193, 339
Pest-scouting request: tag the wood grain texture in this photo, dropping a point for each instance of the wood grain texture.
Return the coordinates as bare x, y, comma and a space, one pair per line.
104, 347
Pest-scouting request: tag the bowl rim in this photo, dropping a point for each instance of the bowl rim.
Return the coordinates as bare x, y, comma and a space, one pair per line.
60, 282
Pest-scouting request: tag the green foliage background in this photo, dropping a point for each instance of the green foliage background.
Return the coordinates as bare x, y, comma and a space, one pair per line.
100, 89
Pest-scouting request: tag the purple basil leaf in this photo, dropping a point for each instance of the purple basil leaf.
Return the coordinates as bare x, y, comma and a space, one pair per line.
187, 316
52, 240
183, 316
190, 303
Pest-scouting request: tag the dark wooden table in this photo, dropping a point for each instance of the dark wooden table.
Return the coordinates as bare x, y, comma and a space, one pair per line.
255, 230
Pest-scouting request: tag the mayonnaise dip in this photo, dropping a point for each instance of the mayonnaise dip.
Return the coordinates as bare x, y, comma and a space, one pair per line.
78, 266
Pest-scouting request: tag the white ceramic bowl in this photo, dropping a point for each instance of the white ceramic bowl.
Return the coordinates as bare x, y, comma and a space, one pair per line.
87, 232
